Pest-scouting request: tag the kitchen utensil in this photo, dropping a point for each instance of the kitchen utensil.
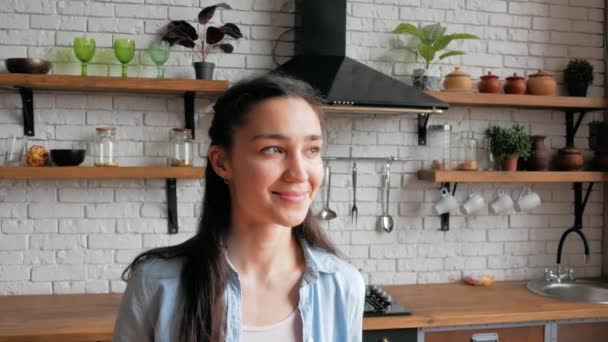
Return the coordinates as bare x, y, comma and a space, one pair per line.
489, 84
446, 203
541, 83
67, 157
386, 221
354, 211
124, 50
515, 85
159, 54
527, 200
457, 81
326, 213
27, 65
502, 203
473, 203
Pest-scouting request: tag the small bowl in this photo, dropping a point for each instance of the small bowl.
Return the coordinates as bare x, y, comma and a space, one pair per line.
27, 65
67, 157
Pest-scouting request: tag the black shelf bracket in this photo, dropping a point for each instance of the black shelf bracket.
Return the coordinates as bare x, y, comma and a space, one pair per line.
172, 206
423, 120
445, 218
189, 111
572, 127
27, 100
579, 209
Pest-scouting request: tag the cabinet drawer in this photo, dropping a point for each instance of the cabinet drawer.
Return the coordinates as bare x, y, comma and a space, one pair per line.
578, 332
511, 334
391, 335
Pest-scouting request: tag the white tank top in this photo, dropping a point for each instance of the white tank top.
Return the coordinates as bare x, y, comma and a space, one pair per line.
287, 330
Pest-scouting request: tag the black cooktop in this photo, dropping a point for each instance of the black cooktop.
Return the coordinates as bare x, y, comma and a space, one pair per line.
379, 303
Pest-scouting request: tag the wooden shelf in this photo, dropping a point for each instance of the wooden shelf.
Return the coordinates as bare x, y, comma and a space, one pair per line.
511, 177
521, 101
112, 84
80, 172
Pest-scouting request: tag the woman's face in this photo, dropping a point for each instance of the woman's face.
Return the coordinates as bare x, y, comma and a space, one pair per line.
275, 166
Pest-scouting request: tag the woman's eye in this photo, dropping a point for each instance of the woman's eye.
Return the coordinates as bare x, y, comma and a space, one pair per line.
314, 150
272, 150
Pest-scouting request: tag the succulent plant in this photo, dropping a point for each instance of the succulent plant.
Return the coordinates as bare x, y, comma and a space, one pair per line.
579, 70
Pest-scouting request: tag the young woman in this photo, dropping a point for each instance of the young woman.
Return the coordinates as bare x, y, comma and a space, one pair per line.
259, 267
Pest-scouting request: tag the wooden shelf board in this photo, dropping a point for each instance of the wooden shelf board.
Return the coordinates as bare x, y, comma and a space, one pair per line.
521, 101
112, 84
511, 177
81, 172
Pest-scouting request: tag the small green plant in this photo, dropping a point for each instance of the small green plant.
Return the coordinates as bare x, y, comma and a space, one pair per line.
579, 70
432, 40
511, 141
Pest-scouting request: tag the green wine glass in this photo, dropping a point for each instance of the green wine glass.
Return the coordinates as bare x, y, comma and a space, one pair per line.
124, 50
159, 54
84, 49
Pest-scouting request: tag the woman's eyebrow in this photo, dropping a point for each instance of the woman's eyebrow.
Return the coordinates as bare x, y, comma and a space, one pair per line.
279, 136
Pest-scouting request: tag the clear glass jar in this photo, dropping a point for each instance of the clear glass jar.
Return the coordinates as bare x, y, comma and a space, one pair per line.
467, 152
181, 147
485, 156
439, 138
105, 147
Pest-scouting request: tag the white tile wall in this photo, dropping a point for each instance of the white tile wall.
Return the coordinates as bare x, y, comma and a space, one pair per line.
77, 236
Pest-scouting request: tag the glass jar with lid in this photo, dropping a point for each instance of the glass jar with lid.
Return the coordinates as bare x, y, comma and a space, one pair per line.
105, 147
466, 158
181, 147
439, 138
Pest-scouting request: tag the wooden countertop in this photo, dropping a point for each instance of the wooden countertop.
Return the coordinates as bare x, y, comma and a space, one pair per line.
91, 317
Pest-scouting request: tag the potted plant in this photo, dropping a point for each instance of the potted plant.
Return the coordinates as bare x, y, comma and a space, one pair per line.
432, 39
182, 33
578, 75
509, 144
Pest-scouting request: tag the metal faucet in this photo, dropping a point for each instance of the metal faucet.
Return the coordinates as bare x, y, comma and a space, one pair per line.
579, 231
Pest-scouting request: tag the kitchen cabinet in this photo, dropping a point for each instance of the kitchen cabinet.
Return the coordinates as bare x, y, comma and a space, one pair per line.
535, 333
391, 335
579, 332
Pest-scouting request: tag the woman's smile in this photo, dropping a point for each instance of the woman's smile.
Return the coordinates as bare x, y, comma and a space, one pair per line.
294, 197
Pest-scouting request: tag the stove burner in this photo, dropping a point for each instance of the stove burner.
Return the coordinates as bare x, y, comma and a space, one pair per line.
379, 303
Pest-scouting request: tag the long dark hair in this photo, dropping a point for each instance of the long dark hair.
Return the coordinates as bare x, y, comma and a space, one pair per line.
204, 272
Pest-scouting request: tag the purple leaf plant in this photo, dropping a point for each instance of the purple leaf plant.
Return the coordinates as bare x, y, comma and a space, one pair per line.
182, 33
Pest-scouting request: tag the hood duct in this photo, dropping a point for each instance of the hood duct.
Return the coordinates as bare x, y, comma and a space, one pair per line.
320, 60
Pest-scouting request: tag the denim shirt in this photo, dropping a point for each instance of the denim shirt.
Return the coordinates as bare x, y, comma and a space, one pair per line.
332, 295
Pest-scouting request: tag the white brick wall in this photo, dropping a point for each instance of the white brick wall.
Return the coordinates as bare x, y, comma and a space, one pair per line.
76, 236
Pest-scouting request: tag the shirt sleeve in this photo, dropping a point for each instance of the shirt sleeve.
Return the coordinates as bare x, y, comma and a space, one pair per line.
357, 312
132, 323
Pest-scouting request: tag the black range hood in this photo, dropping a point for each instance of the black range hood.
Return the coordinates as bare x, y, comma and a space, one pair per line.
320, 60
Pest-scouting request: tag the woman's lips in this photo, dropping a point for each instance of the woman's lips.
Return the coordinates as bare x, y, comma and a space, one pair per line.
292, 197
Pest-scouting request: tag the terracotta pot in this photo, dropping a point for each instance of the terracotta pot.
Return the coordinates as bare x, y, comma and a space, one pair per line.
541, 83
489, 84
539, 158
457, 80
509, 163
569, 159
515, 85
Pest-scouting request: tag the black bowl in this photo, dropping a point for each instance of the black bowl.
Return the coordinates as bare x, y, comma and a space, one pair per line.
67, 157
27, 65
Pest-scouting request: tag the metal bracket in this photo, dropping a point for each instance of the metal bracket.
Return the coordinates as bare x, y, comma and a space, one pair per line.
189, 111
423, 120
572, 127
445, 218
27, 99
172, 206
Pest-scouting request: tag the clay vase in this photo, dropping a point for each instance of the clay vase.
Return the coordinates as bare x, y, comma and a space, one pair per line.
541, 83
569, 159
457, 80
509, 163
489, 84
539, 158
515, 85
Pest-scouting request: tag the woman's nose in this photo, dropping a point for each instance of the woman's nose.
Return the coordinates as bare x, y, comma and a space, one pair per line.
295, 169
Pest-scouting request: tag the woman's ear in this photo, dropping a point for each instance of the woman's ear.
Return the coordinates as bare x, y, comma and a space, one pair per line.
219, 161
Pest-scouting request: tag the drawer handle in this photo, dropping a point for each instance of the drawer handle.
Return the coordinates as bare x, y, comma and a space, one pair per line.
485, 337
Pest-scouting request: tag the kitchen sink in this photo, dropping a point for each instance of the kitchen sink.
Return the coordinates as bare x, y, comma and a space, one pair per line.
572, 290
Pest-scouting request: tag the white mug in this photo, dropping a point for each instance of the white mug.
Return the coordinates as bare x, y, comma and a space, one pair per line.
502, 203
446, 203
527, 200
472, 204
